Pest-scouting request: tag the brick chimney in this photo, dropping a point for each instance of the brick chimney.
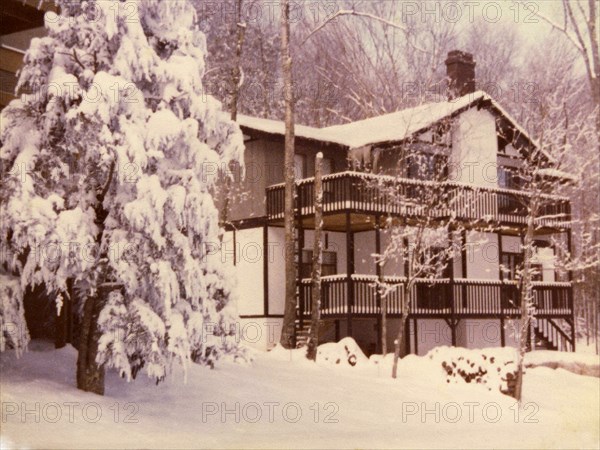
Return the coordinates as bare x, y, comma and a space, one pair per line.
460, 69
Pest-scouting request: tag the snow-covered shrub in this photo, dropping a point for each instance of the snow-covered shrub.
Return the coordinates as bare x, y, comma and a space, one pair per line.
493, 367
345, 352
13, 329
110, 155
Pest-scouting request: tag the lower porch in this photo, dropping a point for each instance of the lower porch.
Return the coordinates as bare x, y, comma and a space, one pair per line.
349, 303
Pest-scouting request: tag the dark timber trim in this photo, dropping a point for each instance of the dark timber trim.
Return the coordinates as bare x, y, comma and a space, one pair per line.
502, 290
451, 285
571, 302
261, 316
463, 262
349, 269
378, 273
266, 269
416, 329
300, 248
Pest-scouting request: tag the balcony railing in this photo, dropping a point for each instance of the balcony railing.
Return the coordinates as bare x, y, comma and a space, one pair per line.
377, 194
437, 297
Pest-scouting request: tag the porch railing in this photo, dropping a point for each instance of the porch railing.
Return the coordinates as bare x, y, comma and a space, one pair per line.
379, 194
438, 297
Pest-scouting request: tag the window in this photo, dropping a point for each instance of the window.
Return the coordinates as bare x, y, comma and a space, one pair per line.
508, 178
327, 166
300, 166
328, 266
512, 262
426, 166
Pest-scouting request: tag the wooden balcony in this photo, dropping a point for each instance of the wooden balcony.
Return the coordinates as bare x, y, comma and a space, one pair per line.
439, 298
372, 195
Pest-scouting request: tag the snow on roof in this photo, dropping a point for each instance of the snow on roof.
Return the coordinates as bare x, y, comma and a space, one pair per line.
391, 127
278, 127
399, 125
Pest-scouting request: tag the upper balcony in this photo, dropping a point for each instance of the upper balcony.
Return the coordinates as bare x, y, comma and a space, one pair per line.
365, 194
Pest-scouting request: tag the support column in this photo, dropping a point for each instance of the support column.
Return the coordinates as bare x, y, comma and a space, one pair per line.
300, 231
416, 329
378, 293
570, 291
349, 270
502, 290
451, 286
465, 275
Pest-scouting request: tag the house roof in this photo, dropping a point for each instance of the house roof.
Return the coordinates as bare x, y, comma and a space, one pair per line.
393, 127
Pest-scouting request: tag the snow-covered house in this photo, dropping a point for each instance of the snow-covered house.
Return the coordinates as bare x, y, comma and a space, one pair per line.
471, 305
474, 304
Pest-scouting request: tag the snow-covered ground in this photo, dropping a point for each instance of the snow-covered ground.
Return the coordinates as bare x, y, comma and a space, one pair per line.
282, 402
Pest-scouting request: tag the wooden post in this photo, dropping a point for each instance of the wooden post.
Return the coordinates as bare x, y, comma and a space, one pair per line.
570, 291
451, 293
381, 302
317, 260
464, 266
349, 271
300, 229
416, 335
502, 290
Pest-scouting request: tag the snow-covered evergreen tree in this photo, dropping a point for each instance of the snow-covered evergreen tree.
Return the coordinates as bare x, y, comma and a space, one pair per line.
104, 163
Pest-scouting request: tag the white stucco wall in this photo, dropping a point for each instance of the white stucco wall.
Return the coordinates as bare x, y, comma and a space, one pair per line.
260, 333
545, 257
475, 148
478, 333
276, 267
337, 243
482, 255
431, 333
364, 248
249, 271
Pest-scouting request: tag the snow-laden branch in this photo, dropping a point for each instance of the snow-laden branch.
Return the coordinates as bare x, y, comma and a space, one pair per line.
352, 12
562, 28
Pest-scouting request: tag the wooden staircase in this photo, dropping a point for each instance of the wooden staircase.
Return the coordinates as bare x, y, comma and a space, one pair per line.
550, 334
302, 333
326, 332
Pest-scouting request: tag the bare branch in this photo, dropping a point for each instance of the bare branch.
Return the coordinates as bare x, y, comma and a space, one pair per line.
352, 12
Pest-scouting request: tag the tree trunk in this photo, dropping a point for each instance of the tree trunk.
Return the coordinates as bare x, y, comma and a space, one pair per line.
237, 70
90, 375
399, 343
317, 260
289, 315
226, 193
526, 292
384, 325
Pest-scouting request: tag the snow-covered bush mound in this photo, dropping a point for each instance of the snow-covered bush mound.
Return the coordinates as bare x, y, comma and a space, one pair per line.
345, 352
573, 362
493, 367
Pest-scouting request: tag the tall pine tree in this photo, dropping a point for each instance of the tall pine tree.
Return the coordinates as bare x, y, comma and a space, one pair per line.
104, 186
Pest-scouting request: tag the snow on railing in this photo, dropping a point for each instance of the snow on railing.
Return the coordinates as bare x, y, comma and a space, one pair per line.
411, 181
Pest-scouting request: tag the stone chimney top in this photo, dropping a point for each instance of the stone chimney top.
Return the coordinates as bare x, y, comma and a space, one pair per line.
460, 69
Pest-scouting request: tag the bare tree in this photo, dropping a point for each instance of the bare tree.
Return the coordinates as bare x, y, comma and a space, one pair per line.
317, 261
423, 239
371, 63
541, 176
289, 316
579, 24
